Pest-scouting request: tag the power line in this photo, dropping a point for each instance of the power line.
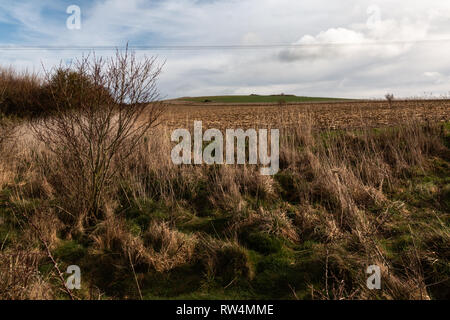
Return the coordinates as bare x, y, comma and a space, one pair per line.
220, 47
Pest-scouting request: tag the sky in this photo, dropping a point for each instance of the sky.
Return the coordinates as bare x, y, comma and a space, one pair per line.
345, 48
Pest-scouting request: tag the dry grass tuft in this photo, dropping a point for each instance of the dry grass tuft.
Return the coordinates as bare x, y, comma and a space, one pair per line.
168, 248
20, 278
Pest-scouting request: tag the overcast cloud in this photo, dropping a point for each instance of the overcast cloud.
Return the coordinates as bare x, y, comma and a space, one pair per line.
345, 48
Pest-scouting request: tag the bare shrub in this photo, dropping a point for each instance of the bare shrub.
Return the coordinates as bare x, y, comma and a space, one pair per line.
389, 97
103, 108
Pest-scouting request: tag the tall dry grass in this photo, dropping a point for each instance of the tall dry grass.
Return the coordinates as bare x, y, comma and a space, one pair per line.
334, 177
328, 184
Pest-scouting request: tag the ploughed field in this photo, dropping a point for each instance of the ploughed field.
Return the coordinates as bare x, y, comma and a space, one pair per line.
325, 115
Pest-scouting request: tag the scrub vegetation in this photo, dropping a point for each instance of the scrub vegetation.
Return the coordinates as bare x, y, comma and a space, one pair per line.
86, 179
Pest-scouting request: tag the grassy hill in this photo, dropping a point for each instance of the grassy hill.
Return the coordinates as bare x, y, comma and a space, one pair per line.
258, 99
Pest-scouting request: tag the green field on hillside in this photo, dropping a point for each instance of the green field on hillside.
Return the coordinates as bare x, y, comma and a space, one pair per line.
258, 99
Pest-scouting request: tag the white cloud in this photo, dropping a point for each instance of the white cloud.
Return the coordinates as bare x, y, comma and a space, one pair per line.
436, 77
378, 38
369, 54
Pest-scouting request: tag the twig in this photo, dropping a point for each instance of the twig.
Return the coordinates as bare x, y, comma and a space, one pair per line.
293, 292
135, 277
326, 276
230, 283
4, 241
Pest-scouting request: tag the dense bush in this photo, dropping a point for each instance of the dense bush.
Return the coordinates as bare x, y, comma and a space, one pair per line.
19, 93
71, 89
26, 95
